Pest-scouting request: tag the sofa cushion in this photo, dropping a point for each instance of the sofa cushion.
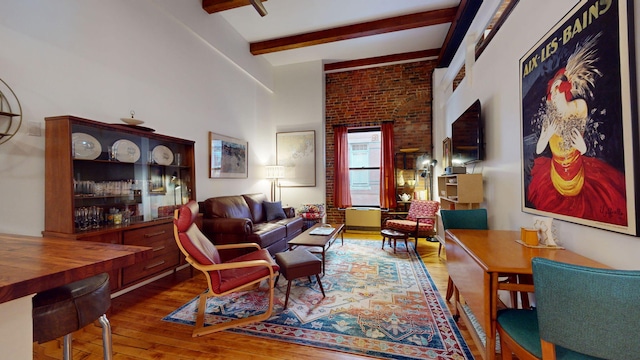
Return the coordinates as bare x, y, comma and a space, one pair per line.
254, 201
274, 210
265, 234
293, 225
227, 207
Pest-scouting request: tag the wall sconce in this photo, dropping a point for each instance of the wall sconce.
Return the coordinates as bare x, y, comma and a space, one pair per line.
275, 172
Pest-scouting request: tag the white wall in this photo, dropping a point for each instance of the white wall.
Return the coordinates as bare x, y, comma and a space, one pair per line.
181, 69
299, 106
495, 81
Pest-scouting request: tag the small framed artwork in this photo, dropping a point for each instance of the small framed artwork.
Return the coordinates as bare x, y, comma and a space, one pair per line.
156, 180
227, 157
296, 151
446, 152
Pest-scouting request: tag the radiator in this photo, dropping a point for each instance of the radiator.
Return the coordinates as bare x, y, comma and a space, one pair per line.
364, 219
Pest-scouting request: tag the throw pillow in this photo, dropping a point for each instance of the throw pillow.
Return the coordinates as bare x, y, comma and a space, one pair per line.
274, 210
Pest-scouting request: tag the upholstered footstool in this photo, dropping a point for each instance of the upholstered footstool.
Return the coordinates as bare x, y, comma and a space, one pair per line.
393, 235
296, 264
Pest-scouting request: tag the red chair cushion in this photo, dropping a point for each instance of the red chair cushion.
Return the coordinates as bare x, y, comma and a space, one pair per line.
232, 278
408, 226
200, 248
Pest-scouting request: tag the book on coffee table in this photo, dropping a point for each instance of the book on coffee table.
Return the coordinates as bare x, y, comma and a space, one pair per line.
321, 231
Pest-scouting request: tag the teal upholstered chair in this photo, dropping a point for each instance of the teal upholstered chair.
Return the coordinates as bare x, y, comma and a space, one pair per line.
581, 313
462, 219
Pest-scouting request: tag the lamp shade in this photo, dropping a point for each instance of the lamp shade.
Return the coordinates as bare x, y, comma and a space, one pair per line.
275, 172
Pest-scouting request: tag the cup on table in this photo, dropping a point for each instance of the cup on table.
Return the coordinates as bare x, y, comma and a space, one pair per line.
529, 236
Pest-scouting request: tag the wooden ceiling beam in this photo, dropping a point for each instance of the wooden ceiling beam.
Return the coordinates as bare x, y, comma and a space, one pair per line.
214, 6
398, 23
421, 54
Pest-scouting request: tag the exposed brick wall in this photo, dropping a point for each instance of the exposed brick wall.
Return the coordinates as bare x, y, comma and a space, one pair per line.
399, 93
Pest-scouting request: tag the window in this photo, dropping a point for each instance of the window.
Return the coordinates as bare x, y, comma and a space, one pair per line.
364, 166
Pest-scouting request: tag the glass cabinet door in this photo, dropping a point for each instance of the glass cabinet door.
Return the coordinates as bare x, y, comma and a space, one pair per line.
121, 178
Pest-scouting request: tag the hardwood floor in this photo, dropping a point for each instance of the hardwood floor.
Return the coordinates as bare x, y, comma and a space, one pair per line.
139, 332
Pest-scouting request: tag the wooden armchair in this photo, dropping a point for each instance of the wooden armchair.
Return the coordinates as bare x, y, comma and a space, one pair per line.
420, 220
241, 273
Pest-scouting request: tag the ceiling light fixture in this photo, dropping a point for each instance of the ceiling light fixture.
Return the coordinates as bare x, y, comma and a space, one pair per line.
257, 4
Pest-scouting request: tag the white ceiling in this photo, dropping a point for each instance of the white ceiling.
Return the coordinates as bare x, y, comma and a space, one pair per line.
292, 17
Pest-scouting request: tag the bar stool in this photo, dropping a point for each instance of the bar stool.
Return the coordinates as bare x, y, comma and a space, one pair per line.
61, 311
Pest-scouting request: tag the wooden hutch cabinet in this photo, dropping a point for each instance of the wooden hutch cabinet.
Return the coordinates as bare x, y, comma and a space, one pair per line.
117, 184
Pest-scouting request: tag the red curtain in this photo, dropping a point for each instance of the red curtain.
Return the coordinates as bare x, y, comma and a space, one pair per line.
387, 176
342, 195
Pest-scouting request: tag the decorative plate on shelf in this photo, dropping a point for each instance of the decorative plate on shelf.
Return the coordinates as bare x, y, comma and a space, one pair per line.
85, 146
126, 151
162, 155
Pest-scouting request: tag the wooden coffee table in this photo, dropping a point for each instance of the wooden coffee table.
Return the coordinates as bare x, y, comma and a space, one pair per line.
323, 242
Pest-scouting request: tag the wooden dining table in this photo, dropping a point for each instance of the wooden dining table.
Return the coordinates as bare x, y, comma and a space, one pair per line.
29, 265
475, 259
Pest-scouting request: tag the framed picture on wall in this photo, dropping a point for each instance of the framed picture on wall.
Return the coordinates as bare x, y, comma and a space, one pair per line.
296, 151
446, 152
227, 157
579, 119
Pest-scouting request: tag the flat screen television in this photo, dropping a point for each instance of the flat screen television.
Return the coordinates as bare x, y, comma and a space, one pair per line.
467, 136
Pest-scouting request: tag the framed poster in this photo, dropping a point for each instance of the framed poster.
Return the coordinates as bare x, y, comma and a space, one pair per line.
227, 157
579, 119
296, 151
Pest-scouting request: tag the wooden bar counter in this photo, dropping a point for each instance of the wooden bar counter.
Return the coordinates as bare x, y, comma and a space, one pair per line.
29, 265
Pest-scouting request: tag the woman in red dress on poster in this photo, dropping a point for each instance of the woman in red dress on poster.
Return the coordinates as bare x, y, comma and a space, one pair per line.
570, 183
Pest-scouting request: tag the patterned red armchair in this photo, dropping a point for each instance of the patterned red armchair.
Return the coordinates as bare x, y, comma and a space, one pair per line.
420, 220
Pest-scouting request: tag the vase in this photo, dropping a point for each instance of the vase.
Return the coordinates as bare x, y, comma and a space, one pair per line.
400, 179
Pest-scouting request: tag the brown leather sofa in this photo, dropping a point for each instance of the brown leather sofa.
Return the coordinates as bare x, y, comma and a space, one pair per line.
243, 219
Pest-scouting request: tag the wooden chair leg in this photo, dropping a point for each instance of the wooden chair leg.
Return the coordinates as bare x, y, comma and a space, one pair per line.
505, 352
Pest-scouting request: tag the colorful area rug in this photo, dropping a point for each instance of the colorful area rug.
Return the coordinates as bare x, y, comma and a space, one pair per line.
377, 303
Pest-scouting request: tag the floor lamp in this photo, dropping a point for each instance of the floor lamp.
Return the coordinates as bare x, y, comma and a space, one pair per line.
275, 172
